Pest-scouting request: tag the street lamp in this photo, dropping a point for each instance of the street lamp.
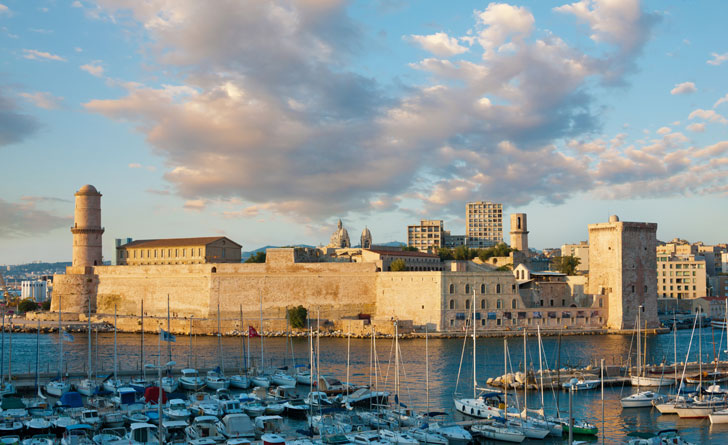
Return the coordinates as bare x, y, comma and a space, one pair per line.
159, 398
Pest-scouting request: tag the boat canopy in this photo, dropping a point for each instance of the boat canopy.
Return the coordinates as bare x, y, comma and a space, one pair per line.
12, 403
79, 426
151, 395
71, 399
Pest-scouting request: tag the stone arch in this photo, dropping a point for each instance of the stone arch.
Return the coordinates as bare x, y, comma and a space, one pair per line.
467, 304
498, 288
214, 270
452, 304
482, 288
482, 303
452, 288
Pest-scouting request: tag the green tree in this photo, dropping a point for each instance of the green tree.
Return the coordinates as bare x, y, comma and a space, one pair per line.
462, 253
566, 264
409, 249
297, 316
445, 254
398, 265
258, 257
46, 305
27, 305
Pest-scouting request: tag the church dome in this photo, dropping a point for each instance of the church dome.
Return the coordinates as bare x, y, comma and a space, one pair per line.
614, 219
366, 232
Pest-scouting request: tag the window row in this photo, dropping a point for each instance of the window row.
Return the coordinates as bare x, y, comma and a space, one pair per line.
484, 304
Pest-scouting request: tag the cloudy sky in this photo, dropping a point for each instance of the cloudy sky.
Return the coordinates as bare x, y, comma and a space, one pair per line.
268, 120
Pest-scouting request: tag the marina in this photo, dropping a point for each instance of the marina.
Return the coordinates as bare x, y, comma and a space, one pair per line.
419, 390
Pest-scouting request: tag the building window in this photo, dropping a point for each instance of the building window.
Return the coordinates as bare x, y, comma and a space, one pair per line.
499, 304
452, 304
176, 253
482, 303
563, 302
514, 304
452, 288
452, 322
498, 288
199, 251
467, 288
482, 288
551, 303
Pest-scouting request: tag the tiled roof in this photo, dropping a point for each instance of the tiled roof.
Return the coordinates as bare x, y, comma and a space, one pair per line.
172, 242
411, 253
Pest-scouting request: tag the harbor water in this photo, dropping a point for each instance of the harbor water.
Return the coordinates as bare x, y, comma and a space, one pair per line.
444, 359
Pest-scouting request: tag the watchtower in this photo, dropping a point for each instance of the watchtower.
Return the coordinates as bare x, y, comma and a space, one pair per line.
519, 232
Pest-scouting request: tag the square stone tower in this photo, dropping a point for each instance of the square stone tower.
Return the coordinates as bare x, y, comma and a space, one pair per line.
623, 271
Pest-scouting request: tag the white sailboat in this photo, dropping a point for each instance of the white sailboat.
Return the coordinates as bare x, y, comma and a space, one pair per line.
261, 378
641, 399
88, 385
241, 380
56, 387
113, 383
721, 416
216, 379
169, 382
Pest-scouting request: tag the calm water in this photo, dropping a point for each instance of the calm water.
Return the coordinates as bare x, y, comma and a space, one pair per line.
444, 358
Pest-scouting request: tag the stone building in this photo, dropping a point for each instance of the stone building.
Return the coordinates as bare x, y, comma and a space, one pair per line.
580, 251
213, 249
680, 276
414, 261
366, 239
340, 238
519, 233
622, 266
427, 236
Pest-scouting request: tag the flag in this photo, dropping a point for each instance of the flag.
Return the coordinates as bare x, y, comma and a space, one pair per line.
67, 337
252, 332
167, 336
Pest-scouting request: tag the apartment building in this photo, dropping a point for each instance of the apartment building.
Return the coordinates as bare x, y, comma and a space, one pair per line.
483, 224
427, 236
680, 276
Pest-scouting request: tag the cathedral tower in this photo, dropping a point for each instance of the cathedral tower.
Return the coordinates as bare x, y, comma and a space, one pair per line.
519, 232
87, 228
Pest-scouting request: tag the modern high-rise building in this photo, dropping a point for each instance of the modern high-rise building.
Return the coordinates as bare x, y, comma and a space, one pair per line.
483, 224
427, 236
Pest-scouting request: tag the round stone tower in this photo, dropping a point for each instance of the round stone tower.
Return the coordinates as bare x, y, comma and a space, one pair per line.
87, 228
519, 232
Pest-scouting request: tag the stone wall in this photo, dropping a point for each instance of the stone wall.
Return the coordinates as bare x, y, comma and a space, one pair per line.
415, 296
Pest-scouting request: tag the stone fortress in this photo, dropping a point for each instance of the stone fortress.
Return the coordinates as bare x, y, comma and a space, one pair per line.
198, 275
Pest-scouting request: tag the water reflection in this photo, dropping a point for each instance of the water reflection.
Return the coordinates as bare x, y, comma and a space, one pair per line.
444, 358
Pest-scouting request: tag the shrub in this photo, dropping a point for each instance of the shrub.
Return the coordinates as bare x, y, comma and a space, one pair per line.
27, 305
398, 265
297, 316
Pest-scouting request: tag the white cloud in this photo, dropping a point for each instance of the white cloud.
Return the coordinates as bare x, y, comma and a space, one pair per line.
34, 54
663, 130
696, 127
439, 44
708, 115
25, 219
684, 88
135, 165
76, 4
94, 68
78, 49
195, 205
43, 99
500, 23
722, 100
4, 9
717, 59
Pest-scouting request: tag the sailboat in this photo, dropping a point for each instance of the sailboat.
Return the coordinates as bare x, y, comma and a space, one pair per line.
59, 386
641, 379
140, 383
112, 383
488, 402
169, 382
260, 378
641, 399
88, 385
190, 380
241, 381
216, 378
281, 377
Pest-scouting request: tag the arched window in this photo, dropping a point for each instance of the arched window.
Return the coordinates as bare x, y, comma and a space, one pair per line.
452, 304
467, 304
452, 288
514, 304
467, 288
499, 304
482, 303
482, 288
497, 288
214, 270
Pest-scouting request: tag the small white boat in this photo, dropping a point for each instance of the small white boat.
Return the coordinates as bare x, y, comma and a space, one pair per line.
719, 416
455, 434
280, 378
649, 381
37, 425
240, 381
304, 377
642, 399
581, 385
398, 437
699, 409
170, 384
204, 429
57, 387
262, 381
143, 433
91, 417
487, 405
177, 410
190, 380
87, 387
528, 428
112, 385
367, 438
215, 380
427, 437
238, 426
498, 431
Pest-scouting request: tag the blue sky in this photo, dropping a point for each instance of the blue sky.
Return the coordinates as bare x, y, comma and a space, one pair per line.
267, 121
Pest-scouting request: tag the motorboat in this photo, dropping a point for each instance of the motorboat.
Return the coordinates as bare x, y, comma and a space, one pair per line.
581, 384
143, 433
37, 425
529, 429
170, 384
260, 380
303, 376
642, 399
426, 436
231, 407
326, 425
77, 434
177, 410
215, 380
175, 430
238, 426
190, 380
398, 437
112, 385
13, 407
135, 416
296, 409
720, 416
60, 423
10, 427
109, 436
272, 439
41, 439
268, 424
87, 387
455, 434
580, 427
664, 437
498, 431
318, 398
203, 429
367, 438
113, 419
650, 381
91, 417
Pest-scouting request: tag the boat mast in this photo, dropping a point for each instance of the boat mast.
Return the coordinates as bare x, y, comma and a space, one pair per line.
169, 343
525, 377
475, 383
348, 353
700, 353
427, 372
639, 347
189, 351
89, 336
505, 376
540, 365
262, 355
219, 341
115, 373
242, 343
60, 336
141, 363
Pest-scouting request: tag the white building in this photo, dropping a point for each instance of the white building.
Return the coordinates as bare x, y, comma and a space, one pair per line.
34, 290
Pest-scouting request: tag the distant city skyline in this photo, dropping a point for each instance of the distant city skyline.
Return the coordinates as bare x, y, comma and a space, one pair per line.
268, 121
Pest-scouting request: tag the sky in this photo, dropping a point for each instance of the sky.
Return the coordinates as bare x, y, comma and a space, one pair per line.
268, 121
